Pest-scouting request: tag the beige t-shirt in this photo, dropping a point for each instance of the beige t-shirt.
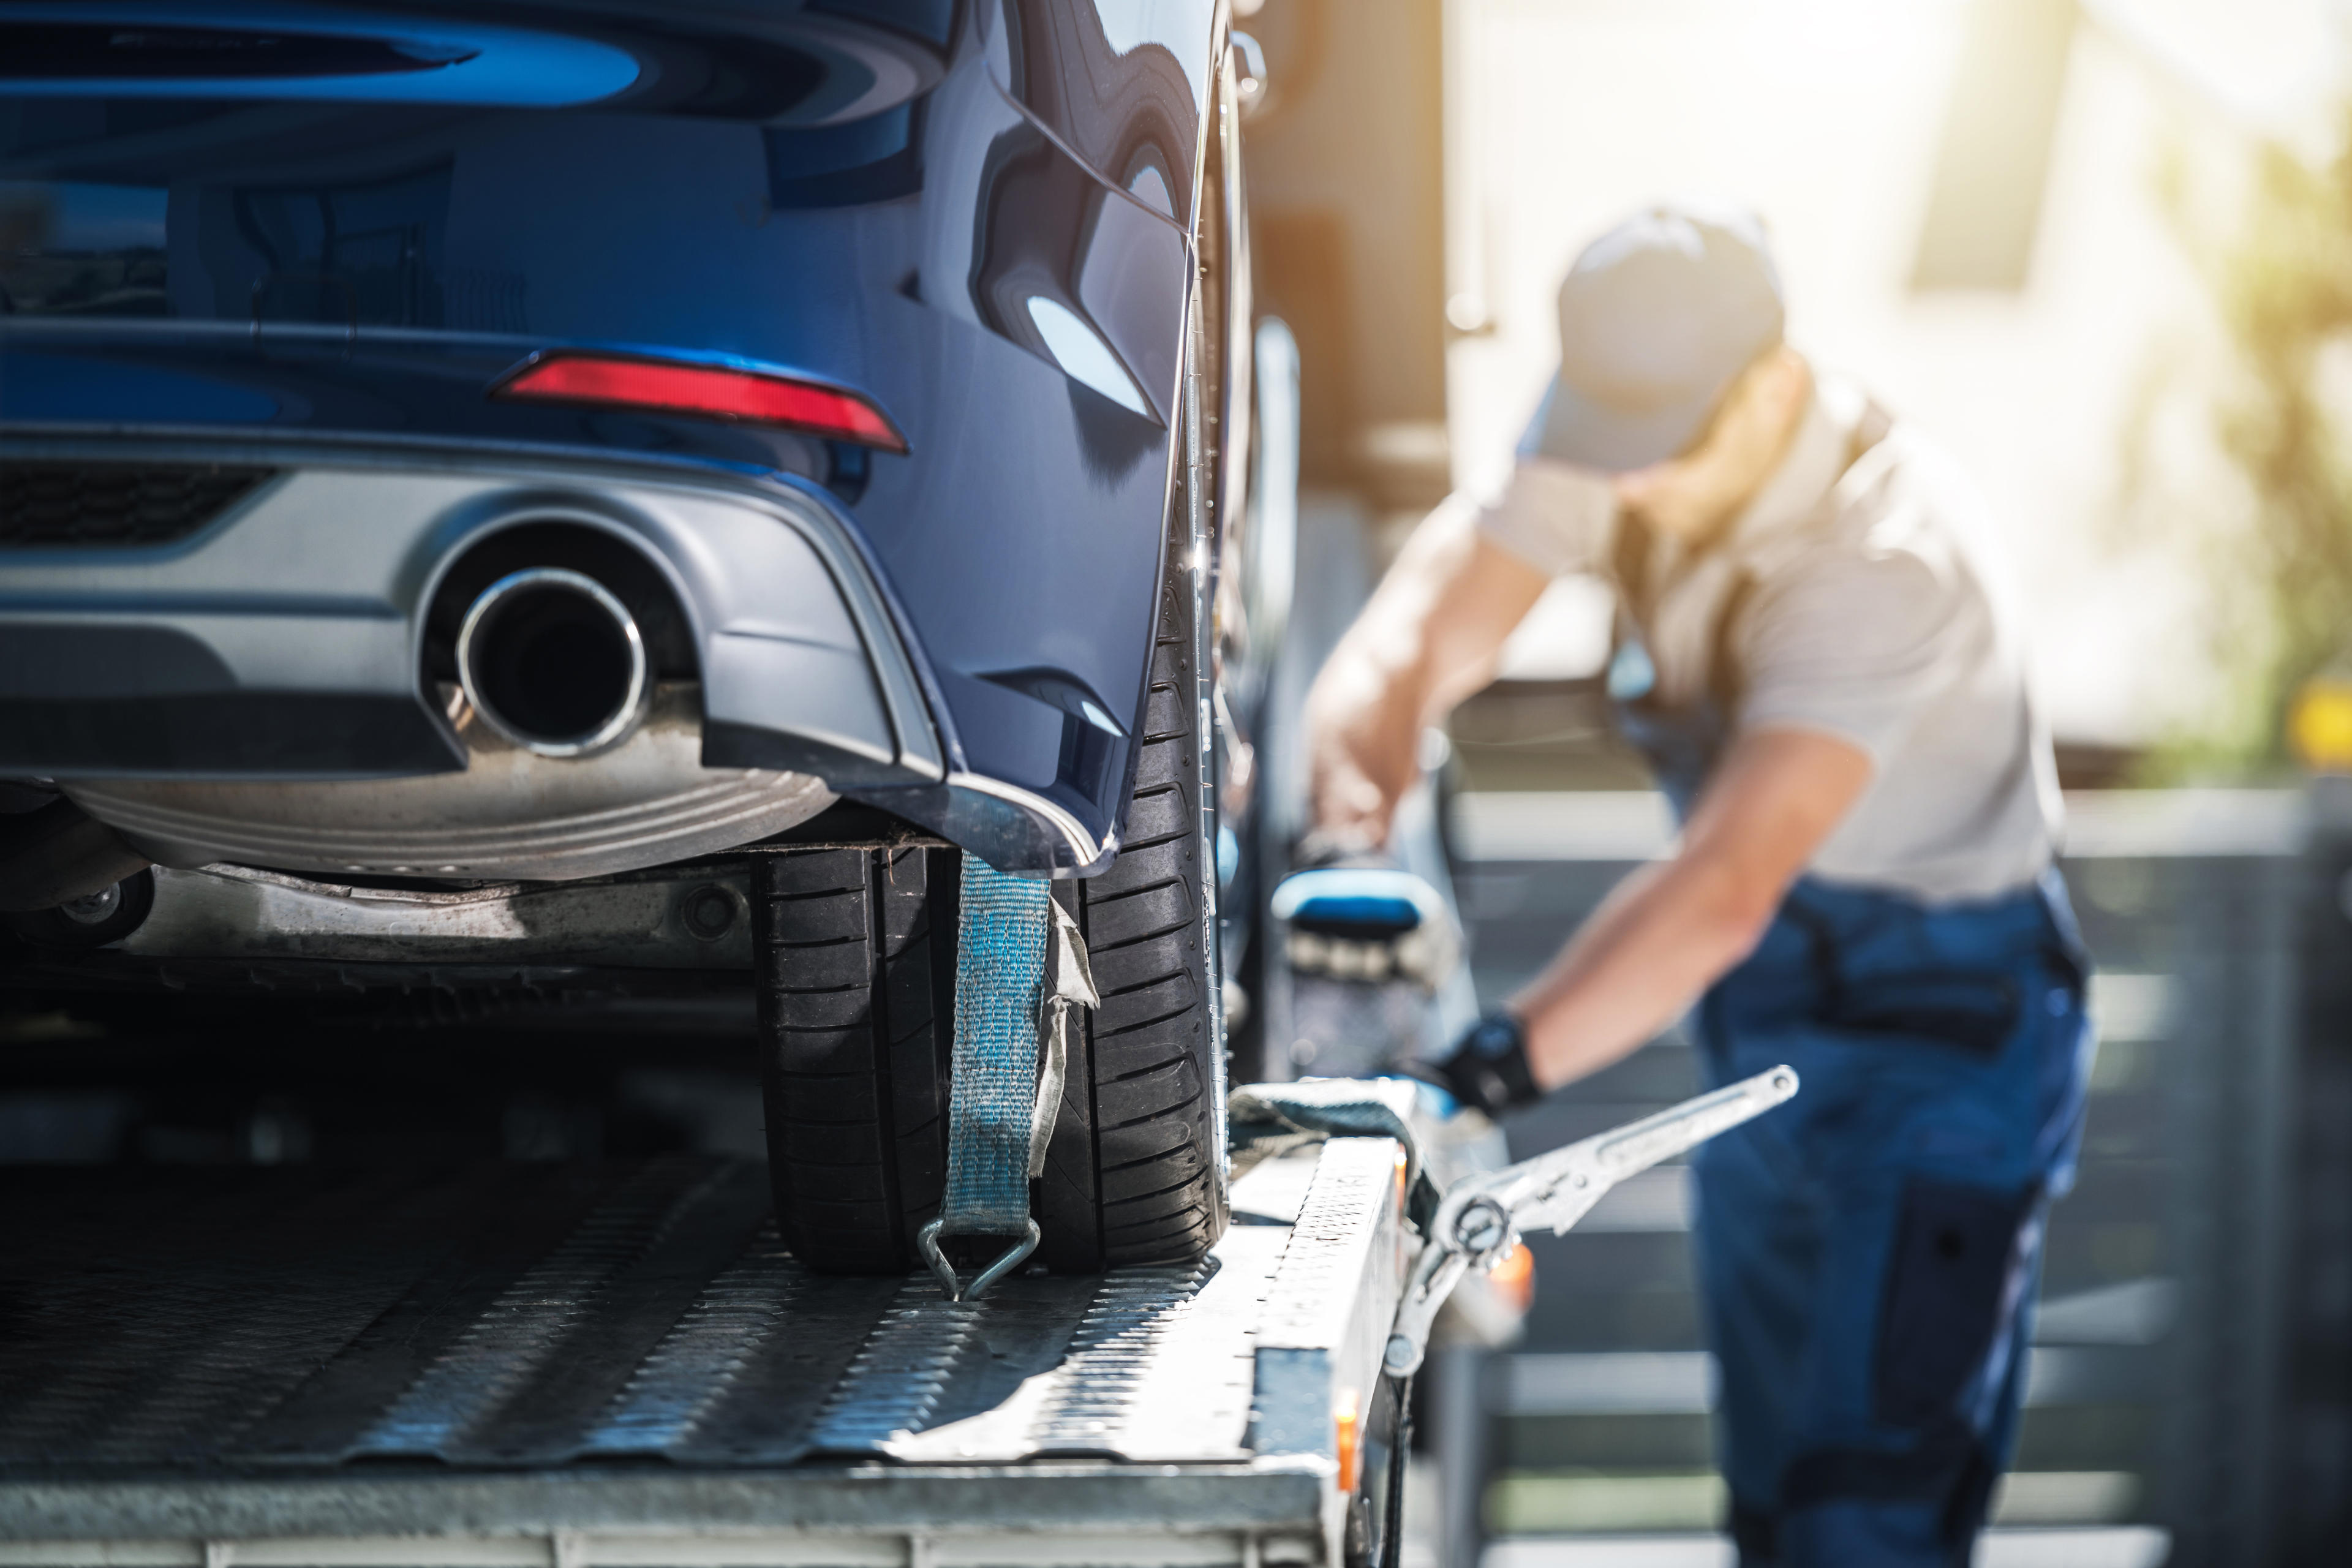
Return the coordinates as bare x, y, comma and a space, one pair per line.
1878, 611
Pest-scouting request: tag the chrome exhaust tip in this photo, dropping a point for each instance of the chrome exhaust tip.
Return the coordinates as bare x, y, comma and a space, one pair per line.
551, 660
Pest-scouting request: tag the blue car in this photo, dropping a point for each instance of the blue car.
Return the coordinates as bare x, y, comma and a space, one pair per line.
550, 502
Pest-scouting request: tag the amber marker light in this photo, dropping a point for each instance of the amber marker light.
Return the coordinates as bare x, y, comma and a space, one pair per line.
1514, 1278
1347, 1429
712, 392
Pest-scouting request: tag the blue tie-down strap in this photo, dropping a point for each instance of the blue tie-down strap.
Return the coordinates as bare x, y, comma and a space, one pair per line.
1020, 969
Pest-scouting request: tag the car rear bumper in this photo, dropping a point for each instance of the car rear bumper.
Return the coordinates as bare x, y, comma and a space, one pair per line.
291, 623
281, 637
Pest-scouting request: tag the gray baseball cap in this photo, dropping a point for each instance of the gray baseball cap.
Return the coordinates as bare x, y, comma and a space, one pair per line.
1656, 318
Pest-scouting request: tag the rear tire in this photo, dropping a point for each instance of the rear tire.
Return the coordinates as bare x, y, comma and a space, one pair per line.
854, 963
1134, 1174
854, 955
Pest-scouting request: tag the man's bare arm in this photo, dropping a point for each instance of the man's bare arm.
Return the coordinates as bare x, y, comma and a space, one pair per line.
1672, 929
1427, 639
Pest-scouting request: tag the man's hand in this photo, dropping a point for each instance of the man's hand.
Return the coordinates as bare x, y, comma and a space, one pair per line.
1671, 930
1427, 639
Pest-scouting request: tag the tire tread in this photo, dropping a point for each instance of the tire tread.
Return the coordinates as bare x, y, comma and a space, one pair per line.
1135, 1173
853, 1064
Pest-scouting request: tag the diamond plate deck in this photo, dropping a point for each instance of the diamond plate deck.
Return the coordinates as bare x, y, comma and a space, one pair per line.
221, 1354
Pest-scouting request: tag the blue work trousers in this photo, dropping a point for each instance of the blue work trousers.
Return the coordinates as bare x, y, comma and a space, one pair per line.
1868, 1253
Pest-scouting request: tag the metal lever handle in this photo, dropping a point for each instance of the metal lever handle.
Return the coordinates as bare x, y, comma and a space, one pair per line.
1559, 1188
1480, 1217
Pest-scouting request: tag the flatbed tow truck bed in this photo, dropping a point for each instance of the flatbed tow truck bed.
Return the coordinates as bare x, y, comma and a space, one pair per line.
620, 1365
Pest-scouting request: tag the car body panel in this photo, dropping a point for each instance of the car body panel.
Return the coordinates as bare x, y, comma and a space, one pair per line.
1124, 85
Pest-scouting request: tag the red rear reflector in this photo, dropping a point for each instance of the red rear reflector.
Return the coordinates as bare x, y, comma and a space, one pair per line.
613, 381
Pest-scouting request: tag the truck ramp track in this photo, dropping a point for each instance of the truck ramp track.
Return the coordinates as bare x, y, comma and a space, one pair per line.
298, 1355
535, 1317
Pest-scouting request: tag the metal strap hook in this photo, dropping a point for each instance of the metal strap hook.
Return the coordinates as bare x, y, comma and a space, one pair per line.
1013, 1257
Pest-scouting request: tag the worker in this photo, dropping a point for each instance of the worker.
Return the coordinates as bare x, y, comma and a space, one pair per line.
1818, 652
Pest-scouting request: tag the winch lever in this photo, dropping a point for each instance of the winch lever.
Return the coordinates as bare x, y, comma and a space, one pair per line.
1481, 1217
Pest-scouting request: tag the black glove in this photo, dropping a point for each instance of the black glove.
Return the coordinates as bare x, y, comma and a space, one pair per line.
1487, 1068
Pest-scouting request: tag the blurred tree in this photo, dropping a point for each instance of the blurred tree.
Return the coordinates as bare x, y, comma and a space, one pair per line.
2282, 284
